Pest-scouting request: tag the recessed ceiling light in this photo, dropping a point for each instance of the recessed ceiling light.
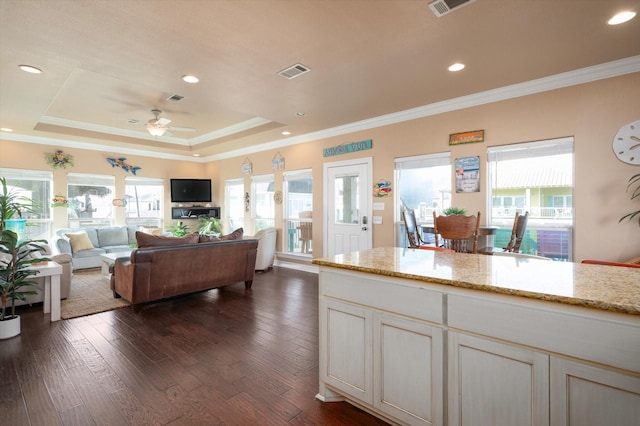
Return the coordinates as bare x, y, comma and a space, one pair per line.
621, 18
5, 129
190, 78
456, 67
300, 114
30, 69
286, 133
196, 155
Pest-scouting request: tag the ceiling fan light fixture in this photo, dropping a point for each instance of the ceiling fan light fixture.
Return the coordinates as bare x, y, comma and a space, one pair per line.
156, 131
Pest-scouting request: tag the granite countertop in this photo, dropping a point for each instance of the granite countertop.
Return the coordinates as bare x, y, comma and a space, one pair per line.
609, 288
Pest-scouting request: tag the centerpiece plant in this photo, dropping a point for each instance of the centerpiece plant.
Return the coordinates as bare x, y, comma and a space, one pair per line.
450, 211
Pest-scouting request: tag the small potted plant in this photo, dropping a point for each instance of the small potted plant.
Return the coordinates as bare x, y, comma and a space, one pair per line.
209, 226
15, 273
450, 211
180, 230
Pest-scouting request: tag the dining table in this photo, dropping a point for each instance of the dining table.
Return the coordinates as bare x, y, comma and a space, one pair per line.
487, 231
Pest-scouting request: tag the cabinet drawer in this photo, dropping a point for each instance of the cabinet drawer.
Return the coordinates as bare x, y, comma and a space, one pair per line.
384, 293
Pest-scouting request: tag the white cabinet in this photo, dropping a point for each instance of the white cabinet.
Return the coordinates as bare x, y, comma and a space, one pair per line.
492, 383
348, 352
589, 395
391, 364
408, 370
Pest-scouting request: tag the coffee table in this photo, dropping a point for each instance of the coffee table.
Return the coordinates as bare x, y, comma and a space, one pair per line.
109, 259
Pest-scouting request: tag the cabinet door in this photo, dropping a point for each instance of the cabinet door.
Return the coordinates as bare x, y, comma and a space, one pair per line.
492, 383
408, 371
584, 395
345, 362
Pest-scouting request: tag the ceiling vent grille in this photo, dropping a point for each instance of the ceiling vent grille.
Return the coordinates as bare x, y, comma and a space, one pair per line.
442, 7
175, 98
294, 71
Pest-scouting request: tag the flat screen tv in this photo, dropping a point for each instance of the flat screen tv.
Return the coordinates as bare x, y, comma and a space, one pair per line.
190, 190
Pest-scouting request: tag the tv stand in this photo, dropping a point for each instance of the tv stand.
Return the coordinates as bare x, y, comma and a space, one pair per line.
194, 212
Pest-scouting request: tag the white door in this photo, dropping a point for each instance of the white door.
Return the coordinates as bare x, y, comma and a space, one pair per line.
348, 206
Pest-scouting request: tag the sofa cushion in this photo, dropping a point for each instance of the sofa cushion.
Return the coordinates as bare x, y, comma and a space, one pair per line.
79, 241
113, 236
235, 235
146, 240
151, 230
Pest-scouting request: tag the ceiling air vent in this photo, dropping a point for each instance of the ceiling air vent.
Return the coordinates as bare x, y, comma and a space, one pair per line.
442, 7
175, 98
294, 71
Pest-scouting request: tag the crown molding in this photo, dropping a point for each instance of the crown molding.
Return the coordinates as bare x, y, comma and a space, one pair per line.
567, 79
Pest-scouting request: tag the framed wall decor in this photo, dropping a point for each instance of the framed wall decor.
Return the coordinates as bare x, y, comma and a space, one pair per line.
468, 174
466, 137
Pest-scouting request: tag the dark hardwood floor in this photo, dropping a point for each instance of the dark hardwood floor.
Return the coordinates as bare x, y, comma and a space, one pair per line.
222, 357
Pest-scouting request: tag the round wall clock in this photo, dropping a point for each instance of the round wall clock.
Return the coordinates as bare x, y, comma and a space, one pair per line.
626, 144
277, 197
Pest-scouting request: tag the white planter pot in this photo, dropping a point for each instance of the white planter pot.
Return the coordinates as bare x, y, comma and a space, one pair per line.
10, 327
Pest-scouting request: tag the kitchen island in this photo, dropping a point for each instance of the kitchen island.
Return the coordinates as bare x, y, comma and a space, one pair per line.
425, 337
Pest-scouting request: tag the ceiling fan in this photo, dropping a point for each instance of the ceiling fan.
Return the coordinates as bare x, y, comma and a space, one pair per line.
158, 126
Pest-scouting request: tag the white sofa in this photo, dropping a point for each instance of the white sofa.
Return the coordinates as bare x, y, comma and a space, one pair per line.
266, 248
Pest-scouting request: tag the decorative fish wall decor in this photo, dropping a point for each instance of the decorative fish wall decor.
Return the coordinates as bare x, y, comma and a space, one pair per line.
120, 162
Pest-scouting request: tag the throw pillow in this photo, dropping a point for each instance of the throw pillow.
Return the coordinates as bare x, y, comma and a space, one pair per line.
79, 241
146, 240
235, 235
150, 230
208, 238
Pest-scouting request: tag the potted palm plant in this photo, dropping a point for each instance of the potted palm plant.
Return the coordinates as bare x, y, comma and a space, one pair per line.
12, 205
15, 273
634, 185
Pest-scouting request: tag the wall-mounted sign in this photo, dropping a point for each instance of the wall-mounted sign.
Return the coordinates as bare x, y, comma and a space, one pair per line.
247, 167
468, 174
347, 148
277, 163
466, 137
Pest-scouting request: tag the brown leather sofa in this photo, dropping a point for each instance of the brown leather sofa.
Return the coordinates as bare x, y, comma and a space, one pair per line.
155, 273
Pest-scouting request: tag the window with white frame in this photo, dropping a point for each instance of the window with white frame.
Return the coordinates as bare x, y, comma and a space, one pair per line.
422, 184
35, 187
534, 177
298, 205
90, 200
144, 201
263, 207
233, 212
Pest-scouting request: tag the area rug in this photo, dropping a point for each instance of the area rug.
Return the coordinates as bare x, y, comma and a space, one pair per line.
90, 294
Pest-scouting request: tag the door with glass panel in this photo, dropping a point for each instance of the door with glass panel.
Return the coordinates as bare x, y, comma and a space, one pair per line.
348, 207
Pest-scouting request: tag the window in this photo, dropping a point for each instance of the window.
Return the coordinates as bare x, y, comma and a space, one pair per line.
263, 209
298, 205
36, 186
234, 197
536, 177
423, 184
144, 201
90, 200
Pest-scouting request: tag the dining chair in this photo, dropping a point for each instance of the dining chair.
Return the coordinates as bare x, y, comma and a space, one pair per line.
458, 232
306, 231
414, 236
515, 240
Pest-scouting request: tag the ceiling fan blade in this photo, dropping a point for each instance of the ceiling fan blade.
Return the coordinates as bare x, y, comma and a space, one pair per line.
182, 129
